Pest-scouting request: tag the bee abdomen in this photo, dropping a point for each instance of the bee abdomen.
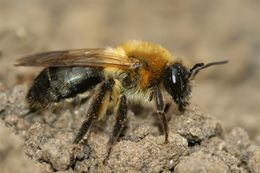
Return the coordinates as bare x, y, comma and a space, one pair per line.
57, 83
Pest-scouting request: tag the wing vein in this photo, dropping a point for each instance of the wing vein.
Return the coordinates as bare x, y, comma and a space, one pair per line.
98, 57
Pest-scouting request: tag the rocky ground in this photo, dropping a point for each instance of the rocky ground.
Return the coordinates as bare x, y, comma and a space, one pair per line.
196, 139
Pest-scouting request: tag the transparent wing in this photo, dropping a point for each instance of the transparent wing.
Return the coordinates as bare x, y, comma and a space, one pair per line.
79, 57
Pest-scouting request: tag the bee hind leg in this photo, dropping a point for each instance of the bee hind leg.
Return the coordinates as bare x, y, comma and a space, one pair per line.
98, 103
118, 127
98, 106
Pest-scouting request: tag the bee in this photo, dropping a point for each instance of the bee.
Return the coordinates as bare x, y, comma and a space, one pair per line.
133, 72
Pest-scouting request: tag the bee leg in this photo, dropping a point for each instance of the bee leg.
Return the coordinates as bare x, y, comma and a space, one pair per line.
85, 126
118, 127
161, 111
167, 107
97, 104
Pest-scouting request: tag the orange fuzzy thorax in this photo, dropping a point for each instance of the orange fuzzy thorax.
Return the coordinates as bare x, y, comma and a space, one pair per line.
154, 59
155, 56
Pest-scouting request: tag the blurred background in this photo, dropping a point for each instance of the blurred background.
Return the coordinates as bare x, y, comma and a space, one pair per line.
196, 31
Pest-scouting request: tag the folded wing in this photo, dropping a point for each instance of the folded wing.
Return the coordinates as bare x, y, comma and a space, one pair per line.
79, 57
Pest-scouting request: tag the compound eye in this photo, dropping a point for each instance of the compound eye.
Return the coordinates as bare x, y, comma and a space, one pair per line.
176, 81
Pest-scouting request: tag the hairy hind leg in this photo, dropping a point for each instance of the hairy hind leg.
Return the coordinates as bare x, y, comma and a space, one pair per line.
98, 106
119, 125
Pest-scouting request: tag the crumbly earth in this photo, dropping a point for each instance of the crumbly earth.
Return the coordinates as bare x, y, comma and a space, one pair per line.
196, 139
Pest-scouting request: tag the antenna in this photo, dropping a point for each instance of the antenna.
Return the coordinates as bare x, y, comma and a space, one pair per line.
200, 66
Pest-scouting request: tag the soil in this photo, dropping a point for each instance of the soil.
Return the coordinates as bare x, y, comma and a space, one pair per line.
219, 132
195, 138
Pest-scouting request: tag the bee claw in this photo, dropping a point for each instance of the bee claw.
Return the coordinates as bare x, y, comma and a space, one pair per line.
166, 142
105, 161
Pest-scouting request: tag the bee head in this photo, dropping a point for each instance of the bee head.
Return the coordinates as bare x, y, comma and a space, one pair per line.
177, 81
177, 84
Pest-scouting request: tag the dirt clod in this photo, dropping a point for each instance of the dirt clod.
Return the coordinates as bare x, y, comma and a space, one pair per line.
254, 161
201, 162
195, 126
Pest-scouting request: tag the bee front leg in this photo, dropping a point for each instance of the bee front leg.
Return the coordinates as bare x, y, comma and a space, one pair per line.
119, 125
161, 111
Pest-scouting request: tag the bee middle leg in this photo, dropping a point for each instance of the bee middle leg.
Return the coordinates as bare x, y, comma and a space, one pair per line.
161, 111
121, 114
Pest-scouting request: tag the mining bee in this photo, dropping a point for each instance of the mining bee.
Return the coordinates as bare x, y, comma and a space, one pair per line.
133, 72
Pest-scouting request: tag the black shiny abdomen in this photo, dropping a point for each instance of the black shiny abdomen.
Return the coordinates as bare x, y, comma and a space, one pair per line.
56, 83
